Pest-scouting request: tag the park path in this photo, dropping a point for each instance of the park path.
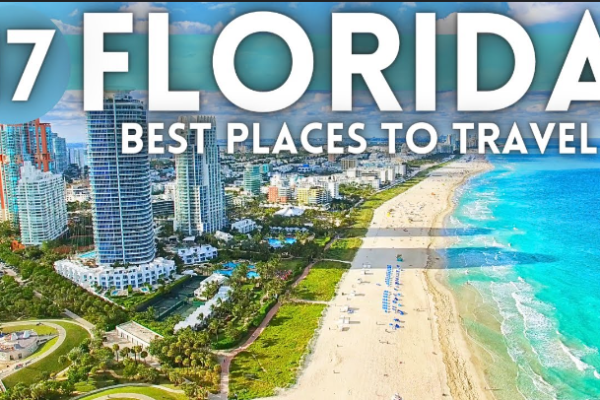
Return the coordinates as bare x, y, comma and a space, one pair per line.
227, 356
309, 301
135, 396
126, 395
62, 334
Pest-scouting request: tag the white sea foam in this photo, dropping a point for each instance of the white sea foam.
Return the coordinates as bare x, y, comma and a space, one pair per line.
512, 326
579, 364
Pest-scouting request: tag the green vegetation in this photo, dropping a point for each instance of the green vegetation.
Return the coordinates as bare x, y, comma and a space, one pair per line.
50, 364
273, 360
153, 392
35, 265
138, 301
321, 281
432, 158
344, 249
188, 354
17, 302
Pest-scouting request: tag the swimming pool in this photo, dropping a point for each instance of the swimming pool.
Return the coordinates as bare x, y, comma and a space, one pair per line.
276, 243
89, 254
231, 266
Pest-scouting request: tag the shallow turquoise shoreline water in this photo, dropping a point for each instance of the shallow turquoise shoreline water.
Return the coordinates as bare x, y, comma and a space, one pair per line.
529, 243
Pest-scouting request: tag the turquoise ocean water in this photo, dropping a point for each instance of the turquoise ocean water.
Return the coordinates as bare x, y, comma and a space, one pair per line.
526, 266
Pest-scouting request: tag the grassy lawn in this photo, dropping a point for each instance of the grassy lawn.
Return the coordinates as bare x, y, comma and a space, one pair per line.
273, 360
40, 330
322, 241
153, 392
344, 249
321, 281
34, 372
295, 264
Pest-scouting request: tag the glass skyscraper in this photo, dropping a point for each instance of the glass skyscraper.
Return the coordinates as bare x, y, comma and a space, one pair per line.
59, 146
252, 179
120, 183
199, 192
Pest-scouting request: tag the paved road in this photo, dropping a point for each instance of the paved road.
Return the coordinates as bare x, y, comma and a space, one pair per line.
62, 334
227, 356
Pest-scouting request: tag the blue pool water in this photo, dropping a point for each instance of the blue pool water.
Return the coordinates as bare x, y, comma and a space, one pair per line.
89, 254
231, 266
278, 243
529, 244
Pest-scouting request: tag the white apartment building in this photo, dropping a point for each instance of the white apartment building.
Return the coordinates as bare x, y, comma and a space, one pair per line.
121, 277
244, 226
41, 204
78, 194
224, 236
197, 254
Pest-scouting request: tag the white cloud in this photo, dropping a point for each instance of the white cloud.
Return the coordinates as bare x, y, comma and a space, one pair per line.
447, 26
74, 13
140, 13
544, 12
140, 10
189, 27
218, 27
338, 7
218, 6
67, 29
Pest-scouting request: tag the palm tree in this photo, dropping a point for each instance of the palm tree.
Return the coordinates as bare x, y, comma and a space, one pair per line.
144, 355
116, 348
213, 328
136, 351
124, 352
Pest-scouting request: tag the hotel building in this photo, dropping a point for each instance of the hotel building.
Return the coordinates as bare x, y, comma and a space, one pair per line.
197, 254
115, 277
199, 193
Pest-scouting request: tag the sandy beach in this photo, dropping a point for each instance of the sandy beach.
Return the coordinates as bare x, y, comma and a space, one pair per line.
428, 357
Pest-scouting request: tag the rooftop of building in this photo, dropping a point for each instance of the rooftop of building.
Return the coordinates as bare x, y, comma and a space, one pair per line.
18, 340
90, 265
139, 331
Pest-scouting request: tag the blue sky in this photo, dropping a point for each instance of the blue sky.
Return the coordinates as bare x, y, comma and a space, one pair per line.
208, 19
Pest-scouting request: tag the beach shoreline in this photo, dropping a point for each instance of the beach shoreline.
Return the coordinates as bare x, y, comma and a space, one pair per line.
428, 357
463, 367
